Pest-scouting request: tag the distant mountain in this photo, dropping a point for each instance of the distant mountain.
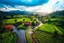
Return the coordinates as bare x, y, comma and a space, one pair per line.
57, 13
41, 13
15, 12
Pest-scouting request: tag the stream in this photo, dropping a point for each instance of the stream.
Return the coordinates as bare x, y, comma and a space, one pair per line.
20, 35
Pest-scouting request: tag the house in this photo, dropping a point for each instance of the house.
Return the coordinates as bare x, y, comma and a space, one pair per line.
8, 27
27, 23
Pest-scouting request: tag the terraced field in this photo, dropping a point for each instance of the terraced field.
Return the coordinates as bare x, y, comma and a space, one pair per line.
49, 28
43, 37
46, 32
7, 37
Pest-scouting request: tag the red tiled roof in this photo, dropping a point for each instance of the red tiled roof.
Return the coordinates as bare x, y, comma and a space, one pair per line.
8, 27
28, 23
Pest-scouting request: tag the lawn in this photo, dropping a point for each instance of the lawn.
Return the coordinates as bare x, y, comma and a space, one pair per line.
49, 28
12, 20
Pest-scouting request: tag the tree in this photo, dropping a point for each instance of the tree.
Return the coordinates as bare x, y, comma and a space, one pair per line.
33, 23
23, 19
1, 24
4, 17
49, 20
43, 21
15, 20
11, 16
1, 27
36, 15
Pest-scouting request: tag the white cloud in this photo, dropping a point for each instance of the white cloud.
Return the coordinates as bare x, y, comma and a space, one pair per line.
48, 7
59, 5
7, 8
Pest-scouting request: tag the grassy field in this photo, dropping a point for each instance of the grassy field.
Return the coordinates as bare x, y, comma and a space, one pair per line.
22, 27
58, 21
42, 37
12, 20
7, 37
42, 34
49, 28
56, 18
27, 36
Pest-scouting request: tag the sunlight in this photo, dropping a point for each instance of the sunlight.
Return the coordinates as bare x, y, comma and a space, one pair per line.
29, 0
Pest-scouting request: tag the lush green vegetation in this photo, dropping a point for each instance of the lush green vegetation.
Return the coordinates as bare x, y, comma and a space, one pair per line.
22, 27
54, 24
43, 37
27, 36
7, 37
49, 28
52, 30
14, 38
12, 20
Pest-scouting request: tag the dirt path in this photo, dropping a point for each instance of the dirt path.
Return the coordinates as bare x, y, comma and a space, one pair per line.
31, 33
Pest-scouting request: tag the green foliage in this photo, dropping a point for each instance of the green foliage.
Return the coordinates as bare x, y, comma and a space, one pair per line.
1, 25
12, 20
22, 27
55, 35
23, 19
15, 20
12, 16
14, 38
57, 13
27, 36
49, 28
49, 21
7, 37
33, 23
43, 37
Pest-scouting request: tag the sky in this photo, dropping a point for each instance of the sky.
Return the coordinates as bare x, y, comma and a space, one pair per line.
32, 5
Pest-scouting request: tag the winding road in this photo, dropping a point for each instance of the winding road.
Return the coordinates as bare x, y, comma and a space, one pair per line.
20, 35
31, 30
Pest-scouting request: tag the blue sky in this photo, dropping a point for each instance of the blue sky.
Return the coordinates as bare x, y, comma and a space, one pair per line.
23, 2
32, 5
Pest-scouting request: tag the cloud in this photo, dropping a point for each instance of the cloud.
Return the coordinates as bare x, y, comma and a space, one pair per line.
23, 2
59, 5
52, 5
20, 8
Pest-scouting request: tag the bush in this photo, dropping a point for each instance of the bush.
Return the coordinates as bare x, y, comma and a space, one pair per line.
22, 27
